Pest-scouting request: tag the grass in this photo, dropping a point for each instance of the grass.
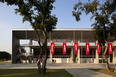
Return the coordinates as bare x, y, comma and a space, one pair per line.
1, 62
104, 71
33, 73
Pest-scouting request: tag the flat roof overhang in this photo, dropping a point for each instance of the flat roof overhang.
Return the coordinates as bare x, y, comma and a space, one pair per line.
57, 29
60, 34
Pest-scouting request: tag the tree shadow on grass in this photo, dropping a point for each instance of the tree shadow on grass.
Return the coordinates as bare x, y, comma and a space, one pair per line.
33, 73
105, 71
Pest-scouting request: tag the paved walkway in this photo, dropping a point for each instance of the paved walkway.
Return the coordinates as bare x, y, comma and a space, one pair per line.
77, 70
85, 73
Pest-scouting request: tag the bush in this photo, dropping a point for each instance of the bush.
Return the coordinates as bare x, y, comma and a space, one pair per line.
5, 56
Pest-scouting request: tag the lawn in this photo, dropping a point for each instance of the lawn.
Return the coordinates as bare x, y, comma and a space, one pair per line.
104, 71
1, 62
33, 73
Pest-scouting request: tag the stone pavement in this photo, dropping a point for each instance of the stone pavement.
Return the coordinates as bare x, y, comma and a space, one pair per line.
83, 72
77, 70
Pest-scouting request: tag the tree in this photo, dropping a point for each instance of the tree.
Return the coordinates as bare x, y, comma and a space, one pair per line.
38, 13
5, 56
104, 14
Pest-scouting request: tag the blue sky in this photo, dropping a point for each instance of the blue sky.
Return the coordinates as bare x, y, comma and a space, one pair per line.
63, 11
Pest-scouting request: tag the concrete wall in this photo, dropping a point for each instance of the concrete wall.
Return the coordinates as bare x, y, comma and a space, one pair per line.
87, 60
15, 47
61, 60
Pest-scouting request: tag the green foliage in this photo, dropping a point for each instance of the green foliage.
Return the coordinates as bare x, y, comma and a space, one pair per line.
5, 56
104, 14
113, 26
91, 7
37, 12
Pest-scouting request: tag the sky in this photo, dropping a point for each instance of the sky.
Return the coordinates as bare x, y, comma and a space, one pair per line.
63, 11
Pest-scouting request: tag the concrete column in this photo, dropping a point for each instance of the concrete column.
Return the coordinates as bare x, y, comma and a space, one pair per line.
50, 54
114, 56
78, 55
33, 56
72, 43
30, 51
96, 58
30, 43
97, 55
114, 53
71, 55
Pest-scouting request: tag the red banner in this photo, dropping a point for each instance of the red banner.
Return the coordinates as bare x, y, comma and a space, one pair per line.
75, 48
110, 48
64, 48
52, 48
98, 48
87, 48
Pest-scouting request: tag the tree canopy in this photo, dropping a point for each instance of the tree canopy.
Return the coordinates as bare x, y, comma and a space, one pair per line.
34, 11
104, 13
38, 13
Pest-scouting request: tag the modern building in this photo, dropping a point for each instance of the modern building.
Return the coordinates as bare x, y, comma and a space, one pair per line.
59, 36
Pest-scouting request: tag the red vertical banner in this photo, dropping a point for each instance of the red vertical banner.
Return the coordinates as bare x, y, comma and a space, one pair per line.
64, 48
75, 48
98, 48
110, 48
52, 48
87, 48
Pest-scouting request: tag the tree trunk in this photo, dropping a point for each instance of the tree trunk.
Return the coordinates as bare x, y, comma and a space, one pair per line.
42, 67
115, 68
106, 61
46, 53
39, 64
44, 62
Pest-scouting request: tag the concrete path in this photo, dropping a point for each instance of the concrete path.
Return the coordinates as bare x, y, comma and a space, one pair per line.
54, 66
85, 73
